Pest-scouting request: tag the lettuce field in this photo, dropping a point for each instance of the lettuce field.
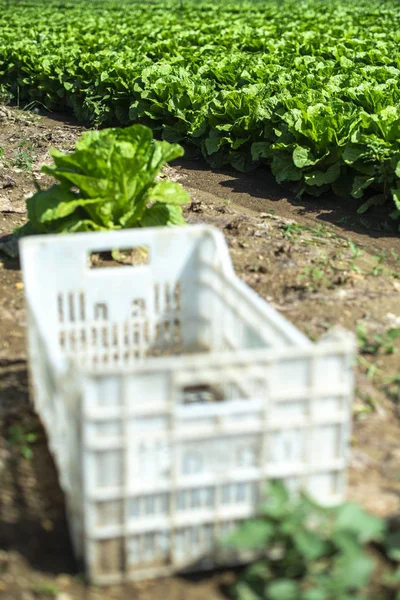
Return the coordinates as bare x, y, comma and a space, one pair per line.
309, 89
306, 91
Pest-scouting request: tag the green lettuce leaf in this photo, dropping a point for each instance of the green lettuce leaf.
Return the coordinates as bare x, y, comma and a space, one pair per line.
108, 182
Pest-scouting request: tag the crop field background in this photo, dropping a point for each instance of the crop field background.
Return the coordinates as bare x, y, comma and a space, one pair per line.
310, 89
289, 114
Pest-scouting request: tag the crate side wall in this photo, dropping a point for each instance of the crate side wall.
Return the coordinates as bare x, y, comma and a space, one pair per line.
175, 470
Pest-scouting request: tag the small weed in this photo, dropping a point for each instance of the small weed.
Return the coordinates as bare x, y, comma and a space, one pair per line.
310, 335
365, 223
254, 268
291, 231
313, 277
24, 157
34, 106
371, 368
23, 440
45, 589
1, 151
392, 390
355, 250
305, 550
310, 236
378, 268
370, 403
374, 343
316, 274
384, 226
355, 268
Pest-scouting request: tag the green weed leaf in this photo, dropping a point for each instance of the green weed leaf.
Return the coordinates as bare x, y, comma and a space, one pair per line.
282, 589
253, 534
352, 518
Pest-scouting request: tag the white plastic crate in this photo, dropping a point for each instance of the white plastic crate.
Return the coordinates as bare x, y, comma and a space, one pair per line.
170, 393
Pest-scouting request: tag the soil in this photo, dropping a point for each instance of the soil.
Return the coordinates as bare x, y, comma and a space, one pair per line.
316, 261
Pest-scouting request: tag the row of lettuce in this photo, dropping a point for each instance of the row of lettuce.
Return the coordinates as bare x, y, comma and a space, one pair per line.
310, 88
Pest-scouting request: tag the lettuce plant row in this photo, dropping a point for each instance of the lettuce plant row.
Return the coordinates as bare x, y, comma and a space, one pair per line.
310, 88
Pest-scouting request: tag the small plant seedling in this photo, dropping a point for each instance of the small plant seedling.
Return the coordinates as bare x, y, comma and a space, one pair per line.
315, 235
290, 231
370, 403
45, 589
24, 158
312, 276
355, 268
374, 343
392, 390
305, 551
378, 268
371, 368
355, 250
18, 437
365, 223
309, 334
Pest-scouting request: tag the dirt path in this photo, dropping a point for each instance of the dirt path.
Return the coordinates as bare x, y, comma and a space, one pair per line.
257, 192
319, 266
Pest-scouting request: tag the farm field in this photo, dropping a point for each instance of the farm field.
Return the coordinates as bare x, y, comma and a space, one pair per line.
308, 93
316, 273
310, 89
